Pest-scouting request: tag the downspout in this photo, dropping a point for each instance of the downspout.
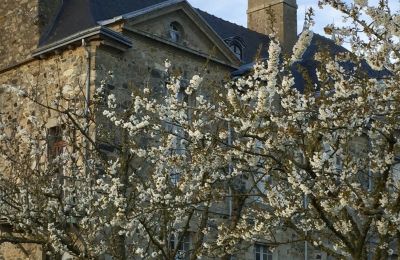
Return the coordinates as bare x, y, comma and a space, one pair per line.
86, 112
87, 104
305, 240
230, 170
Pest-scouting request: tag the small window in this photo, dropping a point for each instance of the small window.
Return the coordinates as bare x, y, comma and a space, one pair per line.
236, 44
175, 32
175, 176
183, 247
262, 252
237, 50
55, 147
55, 142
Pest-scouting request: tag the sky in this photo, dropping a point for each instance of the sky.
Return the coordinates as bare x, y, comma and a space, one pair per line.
235, 11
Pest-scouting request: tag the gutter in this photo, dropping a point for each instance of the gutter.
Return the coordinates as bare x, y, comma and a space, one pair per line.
230, 171
77, 37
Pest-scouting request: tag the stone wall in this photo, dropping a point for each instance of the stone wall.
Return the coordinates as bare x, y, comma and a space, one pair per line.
284, 14
42, 79
20, 252
21, 24
143, 65
191, 36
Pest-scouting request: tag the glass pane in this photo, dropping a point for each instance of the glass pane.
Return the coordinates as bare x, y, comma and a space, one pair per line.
172, 242
186, 246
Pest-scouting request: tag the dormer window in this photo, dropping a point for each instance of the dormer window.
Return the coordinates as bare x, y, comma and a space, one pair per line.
175, 32
236, 44
237, 50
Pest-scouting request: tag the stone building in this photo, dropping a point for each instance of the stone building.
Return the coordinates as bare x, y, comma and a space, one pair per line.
51, 41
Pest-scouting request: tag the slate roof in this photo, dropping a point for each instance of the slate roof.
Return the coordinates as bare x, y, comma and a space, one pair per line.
318, 43
252, 40
79, 15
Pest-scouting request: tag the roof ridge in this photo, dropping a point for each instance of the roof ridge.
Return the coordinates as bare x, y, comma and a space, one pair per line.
131, 14
221, 18
323, 37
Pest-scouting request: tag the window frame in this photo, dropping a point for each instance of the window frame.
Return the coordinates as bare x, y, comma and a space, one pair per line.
182, 247
55, 142
175, 32
237, 50
237, 45
177, 147
262, 252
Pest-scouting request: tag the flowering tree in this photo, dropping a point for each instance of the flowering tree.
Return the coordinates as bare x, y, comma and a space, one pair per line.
144, 191
329, 154
218, 173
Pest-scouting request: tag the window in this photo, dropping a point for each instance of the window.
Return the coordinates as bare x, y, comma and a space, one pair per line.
236, 44
55, 147
175, 32
262, 252
183, 247
55, 142
178, 147
175, 176
237, 50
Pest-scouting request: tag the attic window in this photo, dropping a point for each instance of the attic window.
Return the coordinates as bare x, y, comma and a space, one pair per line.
237, 50
175, 32
236, 44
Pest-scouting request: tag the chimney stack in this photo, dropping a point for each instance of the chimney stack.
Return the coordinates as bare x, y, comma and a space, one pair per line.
284, 13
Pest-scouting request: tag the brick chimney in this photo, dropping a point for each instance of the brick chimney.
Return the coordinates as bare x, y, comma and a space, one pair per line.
22, 23
284, 12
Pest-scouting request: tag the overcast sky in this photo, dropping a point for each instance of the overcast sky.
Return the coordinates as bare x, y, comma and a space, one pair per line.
235, 11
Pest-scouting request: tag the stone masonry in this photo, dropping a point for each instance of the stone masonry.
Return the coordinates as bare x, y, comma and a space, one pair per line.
266, 16
21, 25
23, 21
